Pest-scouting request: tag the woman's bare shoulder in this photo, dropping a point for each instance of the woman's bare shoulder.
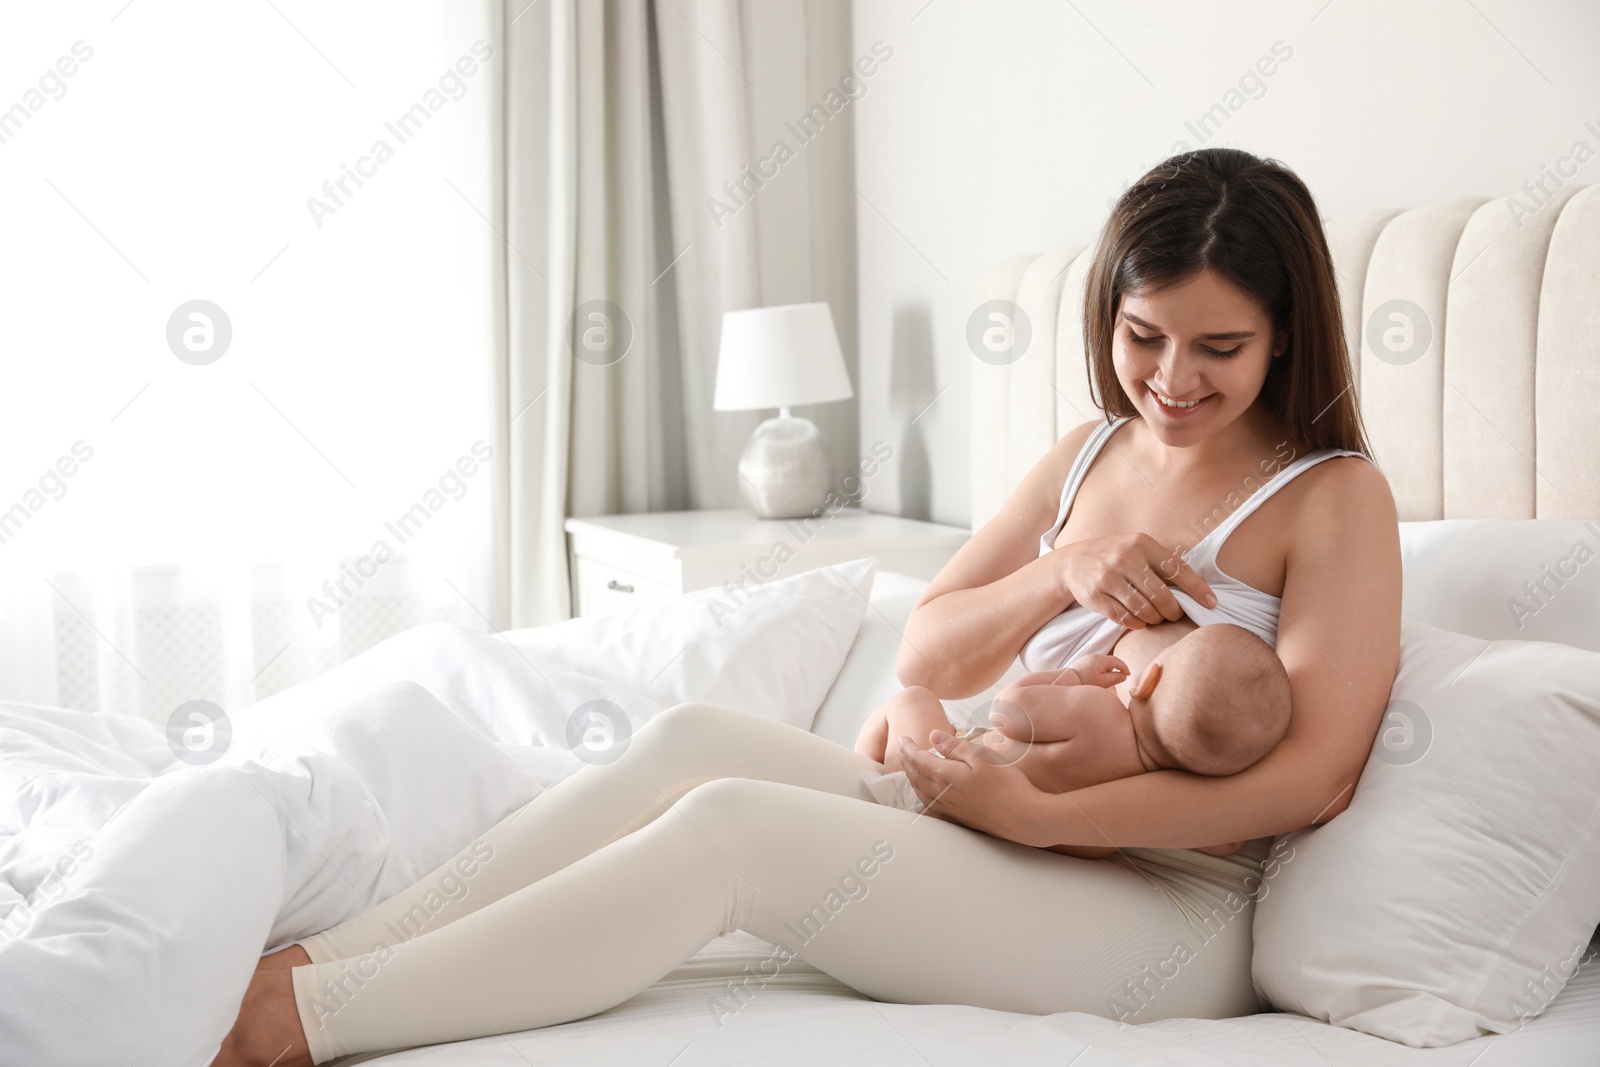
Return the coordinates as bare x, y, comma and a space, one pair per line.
1075, 438
1344, 509
1351, 486
1065, 451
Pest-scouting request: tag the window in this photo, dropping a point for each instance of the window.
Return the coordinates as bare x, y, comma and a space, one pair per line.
246, 295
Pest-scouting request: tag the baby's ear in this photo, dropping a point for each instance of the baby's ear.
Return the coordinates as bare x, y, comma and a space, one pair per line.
1147, 682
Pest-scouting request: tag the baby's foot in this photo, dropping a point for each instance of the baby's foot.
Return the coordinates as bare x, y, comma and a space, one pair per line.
267, 1032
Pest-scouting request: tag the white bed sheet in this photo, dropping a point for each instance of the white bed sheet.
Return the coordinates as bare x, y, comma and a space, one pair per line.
805, 1017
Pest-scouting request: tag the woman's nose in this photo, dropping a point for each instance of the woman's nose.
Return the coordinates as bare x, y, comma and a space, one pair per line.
1175, 373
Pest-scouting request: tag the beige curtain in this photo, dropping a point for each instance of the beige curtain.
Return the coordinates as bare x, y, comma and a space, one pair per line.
621, 120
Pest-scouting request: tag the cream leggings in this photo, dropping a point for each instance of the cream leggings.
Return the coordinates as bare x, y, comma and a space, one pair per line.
714, 820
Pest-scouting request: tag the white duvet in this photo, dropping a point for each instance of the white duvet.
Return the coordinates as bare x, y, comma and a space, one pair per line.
137, 890
134, 945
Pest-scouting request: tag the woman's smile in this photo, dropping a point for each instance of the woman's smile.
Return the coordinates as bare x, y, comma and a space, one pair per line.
1193, 356
1175, 407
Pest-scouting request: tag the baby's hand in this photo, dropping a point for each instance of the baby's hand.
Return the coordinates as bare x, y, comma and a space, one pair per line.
1104, 671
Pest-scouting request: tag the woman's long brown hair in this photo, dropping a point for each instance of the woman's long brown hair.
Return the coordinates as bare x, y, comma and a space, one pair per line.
1254, 222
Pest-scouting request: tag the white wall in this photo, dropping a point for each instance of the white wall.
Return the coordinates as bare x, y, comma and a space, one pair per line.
795, 51
1003, 128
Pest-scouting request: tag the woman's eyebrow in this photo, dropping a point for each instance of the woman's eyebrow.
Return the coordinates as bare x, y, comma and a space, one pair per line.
1232, 335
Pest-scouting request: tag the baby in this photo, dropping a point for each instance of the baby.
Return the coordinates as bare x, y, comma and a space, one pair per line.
1211, 700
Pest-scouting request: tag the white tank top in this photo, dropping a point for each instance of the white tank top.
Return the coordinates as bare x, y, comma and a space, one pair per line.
1080, 631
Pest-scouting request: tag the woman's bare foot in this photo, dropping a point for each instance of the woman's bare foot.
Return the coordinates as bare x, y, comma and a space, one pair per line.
267, 1032
283, 959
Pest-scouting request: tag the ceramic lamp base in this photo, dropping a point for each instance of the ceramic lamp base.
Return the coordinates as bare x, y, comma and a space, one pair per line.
784, 472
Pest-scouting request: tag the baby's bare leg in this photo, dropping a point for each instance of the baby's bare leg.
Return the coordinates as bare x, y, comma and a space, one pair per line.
874, 736
916, 712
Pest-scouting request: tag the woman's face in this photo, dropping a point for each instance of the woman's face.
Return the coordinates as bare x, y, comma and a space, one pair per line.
1192, 358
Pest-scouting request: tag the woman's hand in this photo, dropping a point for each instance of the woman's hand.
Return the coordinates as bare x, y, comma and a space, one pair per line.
965, 788
969, 787
1125, 577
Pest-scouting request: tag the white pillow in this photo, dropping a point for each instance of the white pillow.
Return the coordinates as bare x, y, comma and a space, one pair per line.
1532, 579
868, 676
772, 650
1456, 894
506, 694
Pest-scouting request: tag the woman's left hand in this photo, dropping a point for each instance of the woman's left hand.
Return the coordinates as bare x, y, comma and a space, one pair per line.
965, 788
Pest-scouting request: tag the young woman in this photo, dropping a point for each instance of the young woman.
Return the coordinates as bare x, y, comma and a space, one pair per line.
1230, 469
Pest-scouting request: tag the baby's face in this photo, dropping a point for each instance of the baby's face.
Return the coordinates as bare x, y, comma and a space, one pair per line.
1140, 650
1189, 684
1168, 665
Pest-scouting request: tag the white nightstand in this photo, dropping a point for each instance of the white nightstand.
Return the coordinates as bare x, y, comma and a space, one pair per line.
619, 560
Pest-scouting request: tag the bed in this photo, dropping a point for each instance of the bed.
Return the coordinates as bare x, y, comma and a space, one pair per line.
1512, 312
806, 1017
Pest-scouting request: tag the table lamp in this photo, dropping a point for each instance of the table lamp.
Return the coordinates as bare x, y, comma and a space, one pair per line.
781, 357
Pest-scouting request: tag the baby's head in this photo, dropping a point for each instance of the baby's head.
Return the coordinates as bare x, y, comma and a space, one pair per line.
1220, 702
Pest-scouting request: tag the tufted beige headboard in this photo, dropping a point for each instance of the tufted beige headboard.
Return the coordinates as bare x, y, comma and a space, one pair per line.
1489, 407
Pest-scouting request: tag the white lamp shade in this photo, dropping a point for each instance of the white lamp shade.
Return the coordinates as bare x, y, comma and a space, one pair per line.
779, 357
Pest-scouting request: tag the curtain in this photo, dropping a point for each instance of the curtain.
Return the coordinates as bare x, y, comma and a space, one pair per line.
622, 121
216, 507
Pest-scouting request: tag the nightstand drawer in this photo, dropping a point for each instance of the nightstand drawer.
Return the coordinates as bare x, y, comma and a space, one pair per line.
660, 555
603, 587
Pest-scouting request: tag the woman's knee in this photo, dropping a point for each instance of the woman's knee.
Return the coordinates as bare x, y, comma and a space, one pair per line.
702, 739
728, 813
738, 812
692, 720
723, 797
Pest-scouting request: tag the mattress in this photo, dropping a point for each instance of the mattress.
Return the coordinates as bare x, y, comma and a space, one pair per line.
805, 1017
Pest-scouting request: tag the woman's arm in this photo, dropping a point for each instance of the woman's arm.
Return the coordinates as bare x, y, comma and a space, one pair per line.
1339, 637
995, 592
